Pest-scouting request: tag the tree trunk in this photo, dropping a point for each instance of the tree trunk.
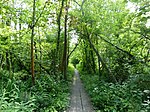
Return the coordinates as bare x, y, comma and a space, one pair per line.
32, 44
7, 61
59, 25
65, 45
93, 61
40, 64
1, 61
100, 59
11, 61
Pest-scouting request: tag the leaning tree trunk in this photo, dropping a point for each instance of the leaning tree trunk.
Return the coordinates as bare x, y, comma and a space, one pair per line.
100, 59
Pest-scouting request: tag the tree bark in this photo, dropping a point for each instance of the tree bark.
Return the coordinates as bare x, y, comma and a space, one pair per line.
93, 60
32, 44
64, 61
40, 50
100, 59
59, 25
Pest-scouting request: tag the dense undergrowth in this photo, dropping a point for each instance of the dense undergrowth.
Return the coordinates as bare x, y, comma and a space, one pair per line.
47, 95
109, 97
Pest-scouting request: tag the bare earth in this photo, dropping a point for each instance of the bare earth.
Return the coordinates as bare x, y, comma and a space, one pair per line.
79, 99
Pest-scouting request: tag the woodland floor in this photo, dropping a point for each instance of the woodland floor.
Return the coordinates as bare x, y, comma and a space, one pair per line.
79, 99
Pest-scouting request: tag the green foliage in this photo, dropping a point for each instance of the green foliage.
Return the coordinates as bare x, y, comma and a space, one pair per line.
14, 99
142, 81
75, 61
108, 97
47, 95
70, 72
120, 37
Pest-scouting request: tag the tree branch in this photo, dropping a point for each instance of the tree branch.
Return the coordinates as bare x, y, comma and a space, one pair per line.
76, 2
100, 59
39, 15
116, 46
98, 55
140, 34
73, 50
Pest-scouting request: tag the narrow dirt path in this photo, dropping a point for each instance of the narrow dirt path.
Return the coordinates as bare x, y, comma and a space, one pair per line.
79, 99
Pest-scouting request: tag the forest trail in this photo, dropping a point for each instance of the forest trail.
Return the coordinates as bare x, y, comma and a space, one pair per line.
79, 99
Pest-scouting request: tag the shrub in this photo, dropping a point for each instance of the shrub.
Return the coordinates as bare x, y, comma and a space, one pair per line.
110, 97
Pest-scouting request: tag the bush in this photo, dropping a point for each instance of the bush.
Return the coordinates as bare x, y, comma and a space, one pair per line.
110, 97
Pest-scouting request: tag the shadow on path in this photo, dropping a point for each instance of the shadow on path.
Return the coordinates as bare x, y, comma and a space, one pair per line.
79, 99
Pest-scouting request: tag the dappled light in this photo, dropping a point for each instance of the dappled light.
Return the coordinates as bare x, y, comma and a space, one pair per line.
74, 56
